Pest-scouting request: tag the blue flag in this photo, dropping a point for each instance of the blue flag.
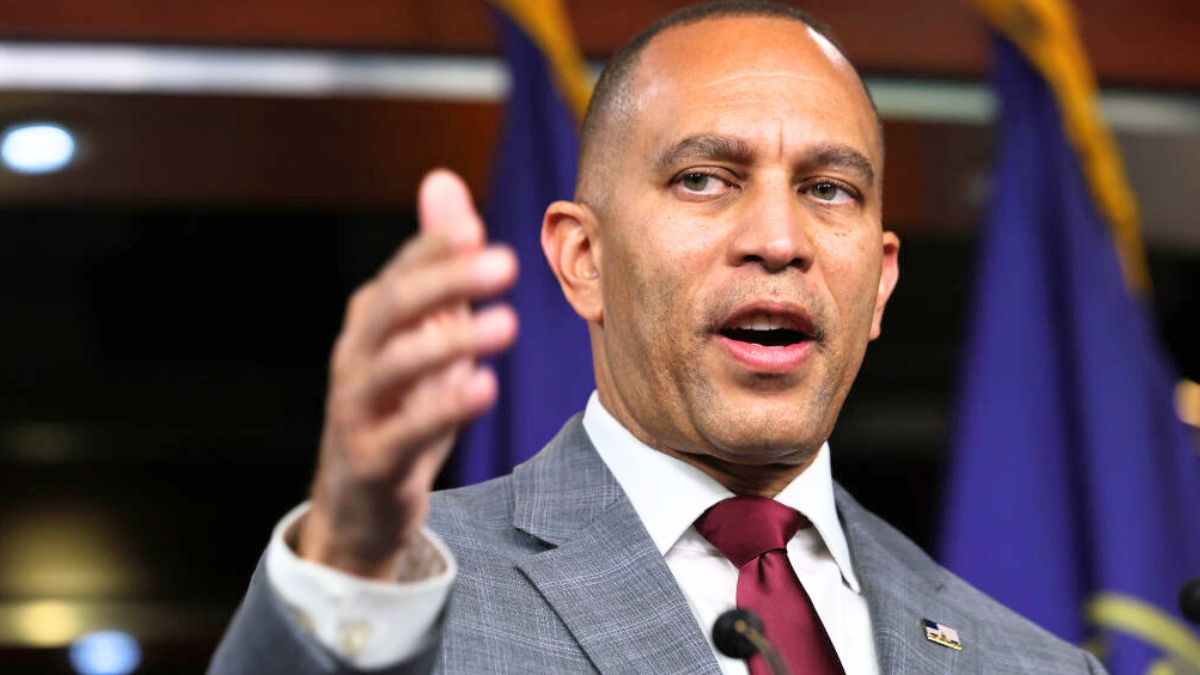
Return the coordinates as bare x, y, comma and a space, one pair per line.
547, 376
1074, 490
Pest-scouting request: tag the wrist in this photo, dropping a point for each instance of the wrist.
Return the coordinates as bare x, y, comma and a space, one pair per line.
316, 539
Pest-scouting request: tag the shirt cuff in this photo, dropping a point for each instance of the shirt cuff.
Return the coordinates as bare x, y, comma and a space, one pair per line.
370, 624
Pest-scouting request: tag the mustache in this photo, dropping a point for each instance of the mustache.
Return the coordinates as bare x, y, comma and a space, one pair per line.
728, 299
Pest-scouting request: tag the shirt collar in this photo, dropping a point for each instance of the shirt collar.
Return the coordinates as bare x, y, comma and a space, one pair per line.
669, 494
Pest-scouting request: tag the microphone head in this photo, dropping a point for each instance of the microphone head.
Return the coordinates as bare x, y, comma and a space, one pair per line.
729, 633
1189, 600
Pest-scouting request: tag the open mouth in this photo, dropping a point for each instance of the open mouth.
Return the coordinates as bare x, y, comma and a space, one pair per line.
772, 337
767, 329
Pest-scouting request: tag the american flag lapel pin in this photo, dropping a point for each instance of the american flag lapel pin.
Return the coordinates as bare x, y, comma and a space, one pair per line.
942, 634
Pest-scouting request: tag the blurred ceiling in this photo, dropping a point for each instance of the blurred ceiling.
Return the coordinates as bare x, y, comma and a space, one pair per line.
171, 296
1152, 43
333, 141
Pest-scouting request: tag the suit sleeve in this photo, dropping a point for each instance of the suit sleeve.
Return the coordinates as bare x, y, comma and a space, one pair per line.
1093, 664
299, 617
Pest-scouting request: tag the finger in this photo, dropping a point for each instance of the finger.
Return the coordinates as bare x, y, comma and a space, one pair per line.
406, 298
431, 346
444, 205
423, 247
439, 407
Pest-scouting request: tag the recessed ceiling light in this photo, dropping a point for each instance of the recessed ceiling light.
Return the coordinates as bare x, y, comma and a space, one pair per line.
35, 148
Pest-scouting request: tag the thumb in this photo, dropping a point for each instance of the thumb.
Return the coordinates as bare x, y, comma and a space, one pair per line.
444, 206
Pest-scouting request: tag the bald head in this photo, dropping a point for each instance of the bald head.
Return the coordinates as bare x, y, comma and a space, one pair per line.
614, 104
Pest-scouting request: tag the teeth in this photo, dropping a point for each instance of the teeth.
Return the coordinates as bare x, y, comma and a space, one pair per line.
760, 321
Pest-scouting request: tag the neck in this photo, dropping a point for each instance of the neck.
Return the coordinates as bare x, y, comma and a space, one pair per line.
745, 480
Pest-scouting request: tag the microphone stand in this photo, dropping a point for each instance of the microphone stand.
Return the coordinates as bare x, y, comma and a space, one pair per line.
774, 662
738, 634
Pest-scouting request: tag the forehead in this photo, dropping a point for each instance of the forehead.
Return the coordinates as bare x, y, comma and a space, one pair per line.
751, 76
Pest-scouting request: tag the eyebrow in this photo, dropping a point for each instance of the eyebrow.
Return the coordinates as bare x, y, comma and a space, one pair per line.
737, 151
706, 146
842, 157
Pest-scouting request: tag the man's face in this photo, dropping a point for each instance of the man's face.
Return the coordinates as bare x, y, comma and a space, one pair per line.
742, 260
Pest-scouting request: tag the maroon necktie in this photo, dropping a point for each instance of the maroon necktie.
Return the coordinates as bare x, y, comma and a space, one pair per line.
753, 533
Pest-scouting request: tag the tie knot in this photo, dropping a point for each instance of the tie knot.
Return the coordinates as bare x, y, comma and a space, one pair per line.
743, 528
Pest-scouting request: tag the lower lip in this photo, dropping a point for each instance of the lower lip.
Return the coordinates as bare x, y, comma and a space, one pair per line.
764, 359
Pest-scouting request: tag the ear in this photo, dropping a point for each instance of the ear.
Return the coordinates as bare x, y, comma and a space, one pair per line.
889, 276
571, 244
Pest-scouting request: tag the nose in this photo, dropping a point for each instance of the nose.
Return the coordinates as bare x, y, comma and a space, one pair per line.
774, 229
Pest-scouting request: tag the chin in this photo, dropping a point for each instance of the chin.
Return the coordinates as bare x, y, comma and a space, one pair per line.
765, 438
764, 420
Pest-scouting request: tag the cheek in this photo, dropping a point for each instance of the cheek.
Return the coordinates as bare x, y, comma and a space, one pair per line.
663, 261
852, 269
635, 298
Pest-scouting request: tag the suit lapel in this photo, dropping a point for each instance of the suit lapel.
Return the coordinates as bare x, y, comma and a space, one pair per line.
604, 577
606, 580
902, 587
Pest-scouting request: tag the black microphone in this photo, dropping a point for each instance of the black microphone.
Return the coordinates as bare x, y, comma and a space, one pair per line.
738, 634
1189, 600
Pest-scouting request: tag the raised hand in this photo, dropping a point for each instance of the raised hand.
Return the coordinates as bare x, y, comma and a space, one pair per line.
403, 379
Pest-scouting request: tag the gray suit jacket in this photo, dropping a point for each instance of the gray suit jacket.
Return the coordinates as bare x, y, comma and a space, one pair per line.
558, 575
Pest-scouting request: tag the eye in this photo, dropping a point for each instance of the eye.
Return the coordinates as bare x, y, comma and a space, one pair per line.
696, 182
700, 184
831, 192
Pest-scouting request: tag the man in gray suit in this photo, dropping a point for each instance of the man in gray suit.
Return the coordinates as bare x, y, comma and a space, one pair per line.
725, 246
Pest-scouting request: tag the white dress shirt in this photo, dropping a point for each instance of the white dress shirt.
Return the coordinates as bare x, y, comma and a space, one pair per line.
370, 624
374, 624
669, 495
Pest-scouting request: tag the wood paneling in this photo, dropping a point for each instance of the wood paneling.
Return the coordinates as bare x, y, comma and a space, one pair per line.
1152, 43
361, 153
353, 154
365, 153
